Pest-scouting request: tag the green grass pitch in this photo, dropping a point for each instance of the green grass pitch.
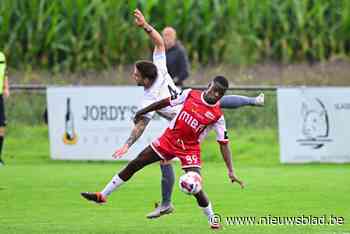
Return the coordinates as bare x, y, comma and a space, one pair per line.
38, 195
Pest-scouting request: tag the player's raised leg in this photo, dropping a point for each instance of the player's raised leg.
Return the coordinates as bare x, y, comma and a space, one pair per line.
146, 157
236, 101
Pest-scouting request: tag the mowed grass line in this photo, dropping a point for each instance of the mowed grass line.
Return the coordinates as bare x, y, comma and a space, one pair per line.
42, 196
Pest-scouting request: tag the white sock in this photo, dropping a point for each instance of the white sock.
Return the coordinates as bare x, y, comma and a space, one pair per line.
112, 185
208, 211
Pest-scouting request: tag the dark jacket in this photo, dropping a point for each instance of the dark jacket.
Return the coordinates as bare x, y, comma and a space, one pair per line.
177, 62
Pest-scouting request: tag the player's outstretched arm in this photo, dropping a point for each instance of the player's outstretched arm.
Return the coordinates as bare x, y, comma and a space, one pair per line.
152, 33
226, 154
153, 107
136, 132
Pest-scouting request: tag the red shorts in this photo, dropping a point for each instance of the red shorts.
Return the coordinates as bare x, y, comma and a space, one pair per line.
167, 151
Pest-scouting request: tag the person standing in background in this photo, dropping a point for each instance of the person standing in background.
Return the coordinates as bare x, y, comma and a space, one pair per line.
176, 57
4, 92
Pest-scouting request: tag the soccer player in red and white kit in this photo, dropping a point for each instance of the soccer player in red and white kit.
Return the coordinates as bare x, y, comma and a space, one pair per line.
199, 114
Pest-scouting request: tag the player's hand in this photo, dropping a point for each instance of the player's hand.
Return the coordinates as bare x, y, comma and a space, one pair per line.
234, 178
121, 151
139, 18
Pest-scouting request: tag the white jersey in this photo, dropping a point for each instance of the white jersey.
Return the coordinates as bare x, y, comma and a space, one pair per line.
162, 87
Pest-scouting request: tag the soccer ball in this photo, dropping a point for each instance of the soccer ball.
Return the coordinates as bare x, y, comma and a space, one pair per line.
190, 183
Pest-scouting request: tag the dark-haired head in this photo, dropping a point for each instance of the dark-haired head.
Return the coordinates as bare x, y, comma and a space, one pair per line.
216, 89
221, 82
145, 73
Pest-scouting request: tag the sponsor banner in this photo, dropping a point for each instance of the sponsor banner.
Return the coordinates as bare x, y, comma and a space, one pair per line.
90, 123
314, 124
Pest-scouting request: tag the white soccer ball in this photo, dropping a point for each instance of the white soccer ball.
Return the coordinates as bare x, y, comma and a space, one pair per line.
190, 183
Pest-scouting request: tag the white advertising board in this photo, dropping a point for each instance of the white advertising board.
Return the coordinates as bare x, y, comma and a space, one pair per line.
314, 124
90, 123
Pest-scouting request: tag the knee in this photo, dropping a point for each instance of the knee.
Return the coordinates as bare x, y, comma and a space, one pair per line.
165, 162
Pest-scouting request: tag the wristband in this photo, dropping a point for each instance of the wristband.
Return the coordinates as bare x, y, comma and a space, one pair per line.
148, 29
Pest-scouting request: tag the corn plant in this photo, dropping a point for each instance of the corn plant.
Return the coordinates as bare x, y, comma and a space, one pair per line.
96, 34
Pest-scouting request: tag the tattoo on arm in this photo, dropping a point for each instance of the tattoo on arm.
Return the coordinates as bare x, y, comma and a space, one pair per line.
137, 131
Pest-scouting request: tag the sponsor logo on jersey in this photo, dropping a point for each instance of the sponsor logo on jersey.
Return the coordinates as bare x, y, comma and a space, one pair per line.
191, 121
209, 115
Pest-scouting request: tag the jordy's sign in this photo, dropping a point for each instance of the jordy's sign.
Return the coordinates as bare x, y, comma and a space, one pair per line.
90, 123
113, 112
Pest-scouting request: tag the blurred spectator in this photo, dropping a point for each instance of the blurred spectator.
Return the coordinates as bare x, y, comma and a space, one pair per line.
176, 57
4, 92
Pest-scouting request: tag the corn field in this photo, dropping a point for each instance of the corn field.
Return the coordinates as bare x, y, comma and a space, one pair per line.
76, 35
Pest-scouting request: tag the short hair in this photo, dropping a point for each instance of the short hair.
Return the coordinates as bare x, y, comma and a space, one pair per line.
222, 81
170, 29
147, 69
